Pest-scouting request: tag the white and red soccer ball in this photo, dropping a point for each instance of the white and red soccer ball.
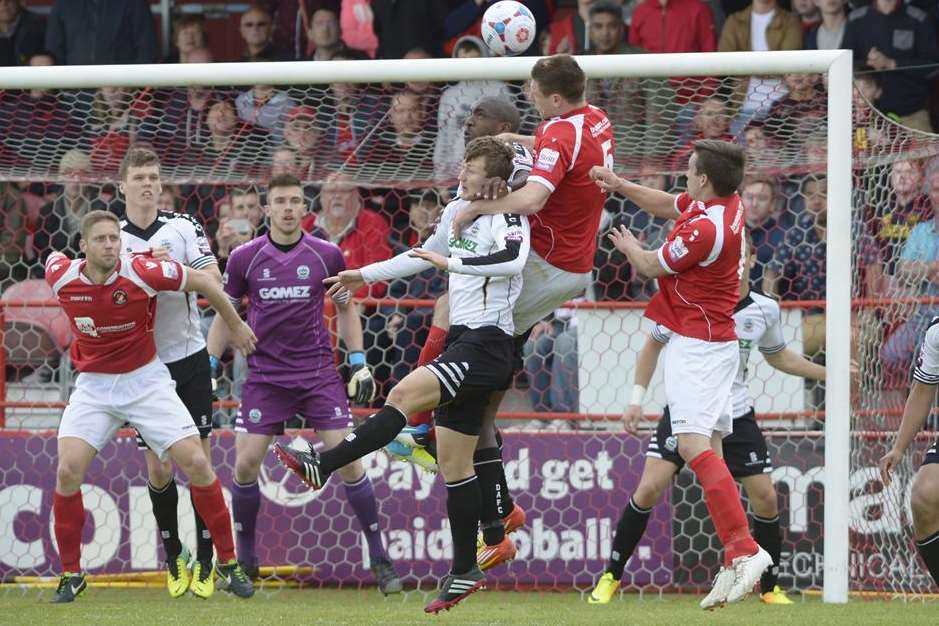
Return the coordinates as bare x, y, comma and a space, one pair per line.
508, 28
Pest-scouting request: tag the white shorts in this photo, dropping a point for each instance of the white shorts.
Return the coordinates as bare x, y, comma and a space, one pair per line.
698, 379
145, 397
544, 289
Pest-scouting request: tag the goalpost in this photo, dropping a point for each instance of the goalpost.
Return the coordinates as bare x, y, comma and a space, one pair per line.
835, 66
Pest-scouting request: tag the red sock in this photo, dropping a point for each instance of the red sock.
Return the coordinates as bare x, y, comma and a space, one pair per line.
723, 502
433, 348
211, 506
69, 520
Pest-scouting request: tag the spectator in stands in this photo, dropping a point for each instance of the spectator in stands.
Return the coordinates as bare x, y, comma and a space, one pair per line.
429, 92
759, 145
265, 107
803, 111
257, 35
403, 26
245, 204
456, 103
352, 110
407, 327
829, 33
188, 35
13, 234
808, 13
360, 233
893, 219
100, 32
37, 126
303, 135
169, 199
119, 117
22, 33
898, 40
551, 367
59, 220
918, 275
624, 99
324, 34
232, 232
199, 55
569, 29
183, 129
797, 271
710, 122
232, 145
766, 229
762, 26
404, 148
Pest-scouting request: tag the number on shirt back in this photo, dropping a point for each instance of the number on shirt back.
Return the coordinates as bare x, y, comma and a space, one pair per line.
608, 154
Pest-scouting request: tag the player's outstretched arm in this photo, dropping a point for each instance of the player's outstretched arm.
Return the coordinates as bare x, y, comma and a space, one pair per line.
793, 363
652, 201
241, 337
526, 140
646, 361
512, 236
526, 201
918, 405
646, 262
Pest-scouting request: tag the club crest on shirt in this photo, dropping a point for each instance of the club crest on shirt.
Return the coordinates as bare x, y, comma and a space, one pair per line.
119, 297
677, 249
303, 272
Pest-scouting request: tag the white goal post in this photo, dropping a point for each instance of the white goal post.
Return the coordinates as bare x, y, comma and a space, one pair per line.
836, 65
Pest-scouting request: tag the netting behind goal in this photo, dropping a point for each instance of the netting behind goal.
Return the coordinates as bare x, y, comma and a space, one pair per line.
568, 464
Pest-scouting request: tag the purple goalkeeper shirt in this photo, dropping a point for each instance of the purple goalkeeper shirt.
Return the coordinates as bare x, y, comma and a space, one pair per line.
285, 305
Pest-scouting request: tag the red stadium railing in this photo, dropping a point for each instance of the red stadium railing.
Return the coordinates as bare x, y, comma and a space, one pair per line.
860, 303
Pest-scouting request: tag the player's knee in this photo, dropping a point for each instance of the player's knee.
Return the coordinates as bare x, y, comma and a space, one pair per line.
764, 502
456, 468
247, 468
68, 476
924, 503
352, 472
690, 447
647, 494
158, 473
190, 457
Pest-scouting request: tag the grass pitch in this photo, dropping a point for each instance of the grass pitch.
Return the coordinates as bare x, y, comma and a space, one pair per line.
130, 607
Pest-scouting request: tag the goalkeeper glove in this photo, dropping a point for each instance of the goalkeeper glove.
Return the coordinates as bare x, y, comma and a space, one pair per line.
216, 367
361, 387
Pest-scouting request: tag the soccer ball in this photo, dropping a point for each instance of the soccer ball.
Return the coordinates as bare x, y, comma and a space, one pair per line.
508, 28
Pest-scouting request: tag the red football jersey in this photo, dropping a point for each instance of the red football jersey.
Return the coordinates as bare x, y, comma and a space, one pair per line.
113, 323
564, 232
703, 258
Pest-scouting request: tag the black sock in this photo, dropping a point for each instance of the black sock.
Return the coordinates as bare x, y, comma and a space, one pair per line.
629, 530
928, 548
463, 503
164, 502
204, 548
371, 435
766, 533
487, 462
507, 502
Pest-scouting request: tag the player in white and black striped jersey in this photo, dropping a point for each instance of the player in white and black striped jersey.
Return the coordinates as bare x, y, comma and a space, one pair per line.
180, 346
757, 321
924, 500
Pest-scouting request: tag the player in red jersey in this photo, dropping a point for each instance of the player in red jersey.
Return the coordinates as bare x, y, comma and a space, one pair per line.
698, 270
110, 302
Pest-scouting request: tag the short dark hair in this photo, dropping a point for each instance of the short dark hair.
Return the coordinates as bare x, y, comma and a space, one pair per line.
242, 191
137, 156
603, 6
499, 156
283, 180
560, 74
723, 163
93, 217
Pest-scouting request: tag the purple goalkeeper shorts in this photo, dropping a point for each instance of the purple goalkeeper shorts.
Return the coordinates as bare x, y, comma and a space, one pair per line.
265, 407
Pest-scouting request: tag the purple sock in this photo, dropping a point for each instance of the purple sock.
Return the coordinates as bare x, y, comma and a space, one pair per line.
245, 502
362, 498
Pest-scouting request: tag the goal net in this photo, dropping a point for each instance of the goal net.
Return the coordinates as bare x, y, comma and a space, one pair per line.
398, 133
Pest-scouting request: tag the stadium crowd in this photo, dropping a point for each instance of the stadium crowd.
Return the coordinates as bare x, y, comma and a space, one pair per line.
403, 142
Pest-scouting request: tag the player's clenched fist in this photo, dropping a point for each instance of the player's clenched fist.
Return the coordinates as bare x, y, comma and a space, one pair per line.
605, 178
348, 280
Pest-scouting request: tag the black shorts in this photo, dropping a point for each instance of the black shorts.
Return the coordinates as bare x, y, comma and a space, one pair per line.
193, 377
932, 454
475, 363
744, 449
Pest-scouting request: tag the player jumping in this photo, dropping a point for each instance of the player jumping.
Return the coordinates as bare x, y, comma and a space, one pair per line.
757, 323
110, 303
294, 371
181, 346
478, 358
698, 270
924, 500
